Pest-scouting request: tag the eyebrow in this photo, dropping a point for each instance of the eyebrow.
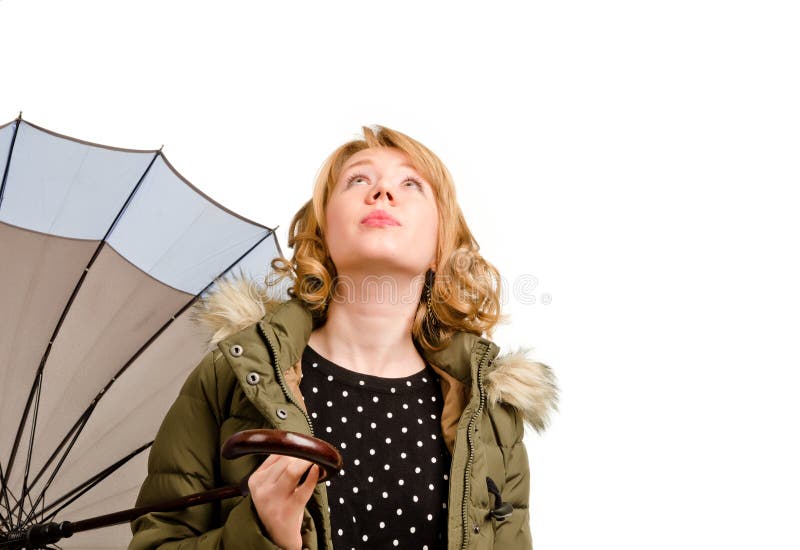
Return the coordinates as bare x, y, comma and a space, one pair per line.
369, 161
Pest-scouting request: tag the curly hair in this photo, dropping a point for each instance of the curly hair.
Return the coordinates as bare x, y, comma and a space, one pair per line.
461, 295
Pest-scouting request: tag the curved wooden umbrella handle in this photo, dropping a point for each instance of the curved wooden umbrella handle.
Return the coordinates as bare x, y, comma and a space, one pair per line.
281, 442
239, 444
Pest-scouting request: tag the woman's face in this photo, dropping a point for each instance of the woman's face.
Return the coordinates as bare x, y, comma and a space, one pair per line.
404, 242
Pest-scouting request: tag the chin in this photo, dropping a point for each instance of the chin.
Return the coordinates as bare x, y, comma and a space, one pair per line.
380, 264
384, 256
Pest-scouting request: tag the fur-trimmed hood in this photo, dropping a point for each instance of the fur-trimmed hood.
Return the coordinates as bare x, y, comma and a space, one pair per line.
515, 379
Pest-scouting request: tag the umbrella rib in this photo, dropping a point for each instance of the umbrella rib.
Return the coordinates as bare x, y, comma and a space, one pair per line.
7, 505
56, 330
277, 244
130, 196
8, 159
33, 433
70, 434
17, 439
55, 471
4, 490
77, 429
25, 487
74, 494
10, 509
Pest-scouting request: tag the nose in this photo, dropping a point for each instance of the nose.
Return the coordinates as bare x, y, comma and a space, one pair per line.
380, 189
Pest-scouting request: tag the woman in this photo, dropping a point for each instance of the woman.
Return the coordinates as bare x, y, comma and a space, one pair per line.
379, 350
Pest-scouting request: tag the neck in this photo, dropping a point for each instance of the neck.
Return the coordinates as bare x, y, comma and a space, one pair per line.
368, 327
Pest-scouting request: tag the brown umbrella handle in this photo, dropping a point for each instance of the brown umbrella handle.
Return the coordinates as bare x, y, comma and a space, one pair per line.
239, 444
264, 441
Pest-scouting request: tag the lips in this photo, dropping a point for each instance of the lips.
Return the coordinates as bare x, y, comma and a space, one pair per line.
379, 217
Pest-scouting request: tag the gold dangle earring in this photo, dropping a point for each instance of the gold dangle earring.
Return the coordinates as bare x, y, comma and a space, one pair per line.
429, 278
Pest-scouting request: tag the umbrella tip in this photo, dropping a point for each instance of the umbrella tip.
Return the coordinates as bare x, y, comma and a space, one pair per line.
20, 116
161, 148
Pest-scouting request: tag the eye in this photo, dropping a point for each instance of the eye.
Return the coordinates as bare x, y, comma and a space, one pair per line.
414, 182
355, 178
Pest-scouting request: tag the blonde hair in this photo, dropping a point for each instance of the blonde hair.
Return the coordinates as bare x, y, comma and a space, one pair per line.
465, 291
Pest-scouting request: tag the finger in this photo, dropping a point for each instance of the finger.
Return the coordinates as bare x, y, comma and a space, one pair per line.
303, 492
268, 462
278, 469
266, 474
291, 476
298, 467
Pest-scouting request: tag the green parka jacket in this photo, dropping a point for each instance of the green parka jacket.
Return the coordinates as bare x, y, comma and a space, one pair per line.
256, 385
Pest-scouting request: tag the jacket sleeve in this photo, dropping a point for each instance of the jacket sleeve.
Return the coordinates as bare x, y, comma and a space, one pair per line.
514, 532
184, 459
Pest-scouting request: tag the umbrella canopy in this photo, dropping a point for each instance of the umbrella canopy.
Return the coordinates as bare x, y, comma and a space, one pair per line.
102, 252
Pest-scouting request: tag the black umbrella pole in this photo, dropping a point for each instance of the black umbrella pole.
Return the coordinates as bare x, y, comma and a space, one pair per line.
37, 536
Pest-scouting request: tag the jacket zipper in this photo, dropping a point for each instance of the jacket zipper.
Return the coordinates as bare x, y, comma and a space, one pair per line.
471, 447
281, 380
288, 393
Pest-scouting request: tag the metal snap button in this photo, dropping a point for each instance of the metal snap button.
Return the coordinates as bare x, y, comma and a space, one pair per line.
237, 350
476, 529
253, 378
282, 413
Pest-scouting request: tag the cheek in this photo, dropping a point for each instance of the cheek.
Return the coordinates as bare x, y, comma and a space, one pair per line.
429, 230
331, 225
334, 227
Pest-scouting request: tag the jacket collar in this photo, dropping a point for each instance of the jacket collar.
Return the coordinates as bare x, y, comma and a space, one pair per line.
514, 379
457, 359
290, 324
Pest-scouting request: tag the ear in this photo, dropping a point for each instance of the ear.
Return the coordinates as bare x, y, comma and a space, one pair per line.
434, 260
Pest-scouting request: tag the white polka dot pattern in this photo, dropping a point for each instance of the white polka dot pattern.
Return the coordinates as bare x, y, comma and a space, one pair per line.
392, 491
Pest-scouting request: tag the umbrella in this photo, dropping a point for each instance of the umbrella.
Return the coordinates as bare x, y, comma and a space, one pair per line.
102, 252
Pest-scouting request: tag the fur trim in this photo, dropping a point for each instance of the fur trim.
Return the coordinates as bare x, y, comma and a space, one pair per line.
235, 303
231, 305
524, 384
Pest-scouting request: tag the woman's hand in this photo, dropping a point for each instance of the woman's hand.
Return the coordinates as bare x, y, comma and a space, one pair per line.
278, 499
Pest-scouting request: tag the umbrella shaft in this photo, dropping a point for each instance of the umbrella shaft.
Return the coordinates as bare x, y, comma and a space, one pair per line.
126, 516
37, 536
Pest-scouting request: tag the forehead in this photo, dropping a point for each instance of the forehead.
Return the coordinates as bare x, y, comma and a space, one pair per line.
380, 157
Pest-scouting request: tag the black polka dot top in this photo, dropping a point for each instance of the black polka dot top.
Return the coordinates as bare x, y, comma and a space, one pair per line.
392, 491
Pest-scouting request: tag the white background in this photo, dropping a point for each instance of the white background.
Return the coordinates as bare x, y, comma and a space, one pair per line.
637, 161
